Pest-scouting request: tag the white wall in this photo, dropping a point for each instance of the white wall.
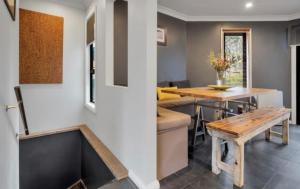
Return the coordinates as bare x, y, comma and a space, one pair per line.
59, 105
9, 51
125, 118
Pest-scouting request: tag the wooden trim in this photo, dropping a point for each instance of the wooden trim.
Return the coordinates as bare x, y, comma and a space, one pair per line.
116, 167
76, 183
238, 30
47, 133
248, 32
111, 161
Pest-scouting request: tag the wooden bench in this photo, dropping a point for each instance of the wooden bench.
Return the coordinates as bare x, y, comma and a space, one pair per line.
239, 130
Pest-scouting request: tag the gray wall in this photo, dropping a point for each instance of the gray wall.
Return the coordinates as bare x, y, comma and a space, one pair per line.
52, 161
171, 59
294, 31
270, 53
189, 44
58, 161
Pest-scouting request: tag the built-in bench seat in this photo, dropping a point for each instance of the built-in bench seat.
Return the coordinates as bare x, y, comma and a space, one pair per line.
173, 103
172, 142
240, 129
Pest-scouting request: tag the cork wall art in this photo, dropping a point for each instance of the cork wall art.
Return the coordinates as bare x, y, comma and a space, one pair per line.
41, 48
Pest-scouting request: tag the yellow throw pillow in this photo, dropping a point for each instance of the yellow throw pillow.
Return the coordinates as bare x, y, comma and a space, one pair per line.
166, 96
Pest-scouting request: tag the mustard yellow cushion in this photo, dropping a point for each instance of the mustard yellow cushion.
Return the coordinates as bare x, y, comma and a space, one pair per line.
166, 96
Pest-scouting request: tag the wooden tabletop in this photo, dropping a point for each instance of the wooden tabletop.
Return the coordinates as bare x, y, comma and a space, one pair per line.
218, 95
243, 124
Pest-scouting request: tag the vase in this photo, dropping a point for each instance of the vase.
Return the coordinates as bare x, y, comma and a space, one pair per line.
220, 78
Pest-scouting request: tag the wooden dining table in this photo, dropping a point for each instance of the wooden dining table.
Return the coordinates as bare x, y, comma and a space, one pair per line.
220, 95
220, 98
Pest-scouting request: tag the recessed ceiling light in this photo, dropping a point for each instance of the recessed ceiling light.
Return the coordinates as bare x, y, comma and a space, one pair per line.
249, 5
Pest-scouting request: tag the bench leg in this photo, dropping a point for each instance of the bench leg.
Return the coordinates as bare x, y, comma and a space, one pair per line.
285, 132
216, 155
268, 134
238, 171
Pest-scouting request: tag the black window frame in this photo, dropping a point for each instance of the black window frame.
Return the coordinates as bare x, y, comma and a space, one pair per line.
92, 71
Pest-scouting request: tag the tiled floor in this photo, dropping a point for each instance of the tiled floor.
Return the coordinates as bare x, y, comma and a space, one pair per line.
268, 165
123, 184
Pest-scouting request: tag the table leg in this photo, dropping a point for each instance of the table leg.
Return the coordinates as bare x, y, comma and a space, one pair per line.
197, 121
268, 134
222, 115
285, 132
216, 155
219, 114
238, 171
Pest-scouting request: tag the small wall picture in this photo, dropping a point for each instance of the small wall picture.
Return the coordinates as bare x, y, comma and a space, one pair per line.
162, 36
11, 6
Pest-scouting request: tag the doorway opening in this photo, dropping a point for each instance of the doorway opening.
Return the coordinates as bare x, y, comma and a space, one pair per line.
236, 42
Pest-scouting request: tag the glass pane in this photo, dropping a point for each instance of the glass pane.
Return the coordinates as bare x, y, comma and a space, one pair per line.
92, 73
93, 88
234, 48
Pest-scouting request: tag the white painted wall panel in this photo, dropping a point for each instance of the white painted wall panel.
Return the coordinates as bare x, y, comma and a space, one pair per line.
9, 123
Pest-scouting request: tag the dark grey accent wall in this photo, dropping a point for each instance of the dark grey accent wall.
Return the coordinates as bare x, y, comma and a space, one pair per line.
57, 161
294, 32
189, 44
121, 43
270, 53
171, 59
50, 162
94, 172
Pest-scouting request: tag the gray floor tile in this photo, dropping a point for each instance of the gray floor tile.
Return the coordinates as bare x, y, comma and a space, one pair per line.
268, 165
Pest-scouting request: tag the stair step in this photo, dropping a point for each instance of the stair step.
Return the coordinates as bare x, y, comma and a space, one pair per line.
78, 185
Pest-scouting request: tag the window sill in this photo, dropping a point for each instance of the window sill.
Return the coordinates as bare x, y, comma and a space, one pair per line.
117, 86
91, 107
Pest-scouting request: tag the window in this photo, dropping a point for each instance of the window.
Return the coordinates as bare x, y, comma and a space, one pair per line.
90, 60
121, 43
92, 72
235, 43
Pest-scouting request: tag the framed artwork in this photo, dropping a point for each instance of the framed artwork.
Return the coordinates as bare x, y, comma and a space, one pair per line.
11, 6
161, 36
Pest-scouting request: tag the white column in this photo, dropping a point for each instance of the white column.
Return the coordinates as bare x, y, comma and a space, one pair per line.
293, 83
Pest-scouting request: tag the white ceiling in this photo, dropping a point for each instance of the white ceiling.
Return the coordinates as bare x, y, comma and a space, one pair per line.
219, 10
231, 9
81, 4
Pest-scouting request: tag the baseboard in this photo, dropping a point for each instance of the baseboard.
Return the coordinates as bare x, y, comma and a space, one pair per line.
140, 184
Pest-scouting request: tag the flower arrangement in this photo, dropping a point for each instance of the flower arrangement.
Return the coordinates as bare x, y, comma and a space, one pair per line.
221, 65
